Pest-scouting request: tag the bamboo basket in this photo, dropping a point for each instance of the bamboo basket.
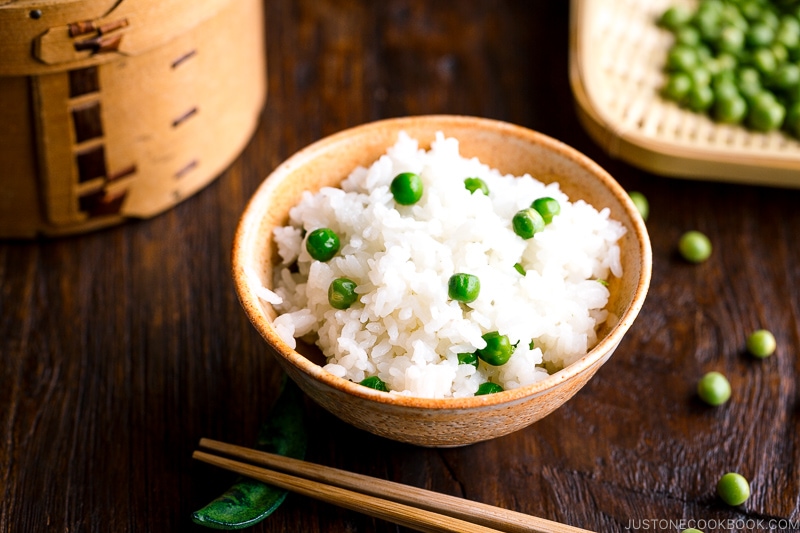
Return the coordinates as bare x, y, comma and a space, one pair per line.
120, 109
617, 56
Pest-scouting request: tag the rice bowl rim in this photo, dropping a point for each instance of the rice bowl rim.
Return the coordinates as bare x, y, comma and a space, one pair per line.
247, 236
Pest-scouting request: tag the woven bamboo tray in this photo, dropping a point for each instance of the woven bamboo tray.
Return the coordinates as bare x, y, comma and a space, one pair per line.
617, 56
113, 110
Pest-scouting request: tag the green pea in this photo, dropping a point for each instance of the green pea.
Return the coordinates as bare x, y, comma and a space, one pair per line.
733, 489
694, 246
406, 188
729, 109
750, 91
677, 86
714, 388
342, 293
700, 76
527, 222
691, 530
682, 57
641, 203
789, 22
322, 244
770, 18
675, 17
766, 113
764, 60
547, 207
713, 6
700, 98
751, 9
731, 16
704, 54
488, 388
725, 85
476, 184
760, 34
464, 287
724, 62
468, 359
731, 39
687, 35
788, 33
374, 382
707, 21
761, 343
748, 76
498, 349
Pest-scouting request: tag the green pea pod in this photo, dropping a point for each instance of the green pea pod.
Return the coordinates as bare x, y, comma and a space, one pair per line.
248, 501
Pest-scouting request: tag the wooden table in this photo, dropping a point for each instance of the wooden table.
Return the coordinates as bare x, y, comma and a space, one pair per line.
120, 349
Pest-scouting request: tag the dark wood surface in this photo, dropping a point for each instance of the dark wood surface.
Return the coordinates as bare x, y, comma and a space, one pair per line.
120, 349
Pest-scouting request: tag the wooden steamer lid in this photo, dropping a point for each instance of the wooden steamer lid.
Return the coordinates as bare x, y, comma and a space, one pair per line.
121, 109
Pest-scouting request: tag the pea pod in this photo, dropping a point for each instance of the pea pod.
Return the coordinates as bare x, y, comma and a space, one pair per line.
248, 502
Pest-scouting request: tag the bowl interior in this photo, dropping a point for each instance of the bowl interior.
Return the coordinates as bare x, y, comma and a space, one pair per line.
512, 150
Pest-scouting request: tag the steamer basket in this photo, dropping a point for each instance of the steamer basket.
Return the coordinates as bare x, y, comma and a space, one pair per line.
617, 56
118, 109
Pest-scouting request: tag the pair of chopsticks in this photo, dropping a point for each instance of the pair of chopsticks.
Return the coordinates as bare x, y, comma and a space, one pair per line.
412, 507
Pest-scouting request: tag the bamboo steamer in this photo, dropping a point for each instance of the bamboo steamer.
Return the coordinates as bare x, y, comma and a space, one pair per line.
120, 109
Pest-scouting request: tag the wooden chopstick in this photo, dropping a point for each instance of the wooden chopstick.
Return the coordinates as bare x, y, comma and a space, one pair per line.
413, 507
404, 515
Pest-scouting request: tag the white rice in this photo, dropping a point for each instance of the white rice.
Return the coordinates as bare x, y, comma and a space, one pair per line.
405, 329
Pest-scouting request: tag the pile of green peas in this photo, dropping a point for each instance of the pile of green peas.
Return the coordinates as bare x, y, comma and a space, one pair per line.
737, 61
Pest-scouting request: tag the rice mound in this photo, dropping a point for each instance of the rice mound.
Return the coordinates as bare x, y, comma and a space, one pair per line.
404, 328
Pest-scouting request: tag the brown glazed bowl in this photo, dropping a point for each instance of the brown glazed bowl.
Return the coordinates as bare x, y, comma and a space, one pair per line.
509, 148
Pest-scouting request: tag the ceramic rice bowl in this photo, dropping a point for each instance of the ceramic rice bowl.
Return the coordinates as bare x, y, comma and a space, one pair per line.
448, 421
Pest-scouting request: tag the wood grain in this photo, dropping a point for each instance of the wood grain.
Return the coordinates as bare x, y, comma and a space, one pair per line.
120, 349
